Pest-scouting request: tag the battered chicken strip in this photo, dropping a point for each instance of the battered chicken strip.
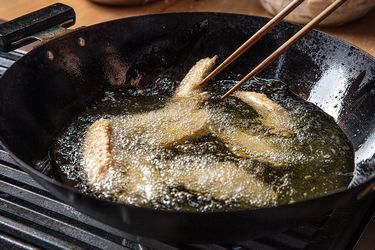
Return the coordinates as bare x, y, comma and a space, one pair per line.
182, 119
175, 124
112, 171
139, 183
189, 86
97, 150
272, 115
248, 145
223, 181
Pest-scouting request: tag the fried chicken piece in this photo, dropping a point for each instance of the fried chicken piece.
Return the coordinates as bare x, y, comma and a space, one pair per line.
189, 86
97, 149
246, 144
112, 171
139, 183
175, 124
272, 115
182, 119
223, 181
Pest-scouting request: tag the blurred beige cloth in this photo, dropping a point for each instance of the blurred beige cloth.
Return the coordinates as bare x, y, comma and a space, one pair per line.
309, 9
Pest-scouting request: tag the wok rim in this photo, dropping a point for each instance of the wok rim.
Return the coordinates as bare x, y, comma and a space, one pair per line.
32, 171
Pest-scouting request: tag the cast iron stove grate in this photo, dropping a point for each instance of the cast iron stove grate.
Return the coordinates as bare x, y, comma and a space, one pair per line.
31, 218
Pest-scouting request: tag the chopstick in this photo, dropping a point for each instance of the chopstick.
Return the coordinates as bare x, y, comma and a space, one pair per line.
293, 40
252, 40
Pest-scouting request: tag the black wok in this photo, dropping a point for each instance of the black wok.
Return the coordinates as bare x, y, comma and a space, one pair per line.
46, 88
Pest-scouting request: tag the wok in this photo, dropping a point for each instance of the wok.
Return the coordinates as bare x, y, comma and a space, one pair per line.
46, 88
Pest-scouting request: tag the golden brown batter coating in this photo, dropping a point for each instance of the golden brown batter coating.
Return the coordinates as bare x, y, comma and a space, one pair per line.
272, 115
97, 149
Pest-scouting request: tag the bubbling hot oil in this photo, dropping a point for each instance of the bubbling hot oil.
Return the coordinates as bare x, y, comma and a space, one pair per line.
319, 156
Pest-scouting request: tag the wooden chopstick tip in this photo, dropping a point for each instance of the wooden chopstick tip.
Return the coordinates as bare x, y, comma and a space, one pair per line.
204, 82
229, 92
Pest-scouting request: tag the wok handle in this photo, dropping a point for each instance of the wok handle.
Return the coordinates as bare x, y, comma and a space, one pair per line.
24, 30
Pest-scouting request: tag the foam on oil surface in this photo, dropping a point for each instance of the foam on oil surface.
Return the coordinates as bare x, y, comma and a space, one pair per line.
207, 173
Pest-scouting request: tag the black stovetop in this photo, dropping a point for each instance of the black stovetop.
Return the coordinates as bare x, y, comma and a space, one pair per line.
31, 218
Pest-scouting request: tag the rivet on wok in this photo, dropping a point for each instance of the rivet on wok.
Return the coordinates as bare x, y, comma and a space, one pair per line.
81, 42
50, 55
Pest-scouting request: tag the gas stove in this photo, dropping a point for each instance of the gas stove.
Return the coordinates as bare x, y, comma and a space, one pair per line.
31, 218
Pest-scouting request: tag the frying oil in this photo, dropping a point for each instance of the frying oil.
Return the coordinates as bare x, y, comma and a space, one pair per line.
209, 173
